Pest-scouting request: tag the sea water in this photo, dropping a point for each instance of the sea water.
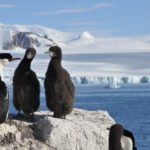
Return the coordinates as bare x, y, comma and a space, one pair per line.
129, 105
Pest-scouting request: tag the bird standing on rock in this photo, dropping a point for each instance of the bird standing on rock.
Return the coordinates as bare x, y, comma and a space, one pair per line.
26, 87
5, 58
4, 101
59, 89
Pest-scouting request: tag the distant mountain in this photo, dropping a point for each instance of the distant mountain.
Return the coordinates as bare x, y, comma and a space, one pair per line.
24, 36
84, 38
25, 40
86, 35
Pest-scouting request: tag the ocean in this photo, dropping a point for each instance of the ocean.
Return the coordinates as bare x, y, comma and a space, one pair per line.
129, 105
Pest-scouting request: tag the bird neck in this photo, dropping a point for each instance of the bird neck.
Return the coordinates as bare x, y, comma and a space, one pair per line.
115, 142
25, 64
55, 65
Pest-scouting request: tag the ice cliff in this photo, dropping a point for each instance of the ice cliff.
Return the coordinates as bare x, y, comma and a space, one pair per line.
109, 79
78, 80
81, 130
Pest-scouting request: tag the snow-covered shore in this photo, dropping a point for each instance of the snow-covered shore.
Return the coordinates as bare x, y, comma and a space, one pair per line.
81, 130
84, 55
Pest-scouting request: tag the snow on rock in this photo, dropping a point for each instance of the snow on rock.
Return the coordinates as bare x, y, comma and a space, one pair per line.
85, 38
83, 54
81, 130
86, 35
40, 30
24, 36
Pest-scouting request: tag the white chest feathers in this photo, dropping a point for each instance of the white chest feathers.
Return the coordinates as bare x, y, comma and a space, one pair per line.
1, 71
126, 143
3, 62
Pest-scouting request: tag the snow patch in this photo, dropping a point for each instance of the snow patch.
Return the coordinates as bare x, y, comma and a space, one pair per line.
86, 35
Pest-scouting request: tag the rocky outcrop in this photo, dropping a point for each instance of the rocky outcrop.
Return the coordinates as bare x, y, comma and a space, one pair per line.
21, 39
25, 40
81, 130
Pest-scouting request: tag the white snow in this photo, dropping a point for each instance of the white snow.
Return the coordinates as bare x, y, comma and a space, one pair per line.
94, 58
4, 37
40, 30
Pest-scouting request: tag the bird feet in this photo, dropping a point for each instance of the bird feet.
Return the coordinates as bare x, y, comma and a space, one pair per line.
59, 116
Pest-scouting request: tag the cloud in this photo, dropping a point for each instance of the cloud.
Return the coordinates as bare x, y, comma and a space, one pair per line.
7, 6
102, 5
42, 13
82, 23
77, 10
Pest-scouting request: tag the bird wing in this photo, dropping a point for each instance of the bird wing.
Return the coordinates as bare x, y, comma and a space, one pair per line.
69, 84
32, 90
129, 134
3, 90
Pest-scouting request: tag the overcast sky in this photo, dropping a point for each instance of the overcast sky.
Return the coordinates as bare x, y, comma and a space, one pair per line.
100, 17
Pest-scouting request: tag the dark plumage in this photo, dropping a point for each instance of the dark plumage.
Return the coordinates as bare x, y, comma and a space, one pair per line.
4, 101
26, 87
121, 139
115, 134
59, 89
7, 56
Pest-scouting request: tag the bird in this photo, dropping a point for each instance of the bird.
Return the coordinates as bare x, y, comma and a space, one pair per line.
5, 58
26, 87
4, 101
120, 138
128, 138
59, 89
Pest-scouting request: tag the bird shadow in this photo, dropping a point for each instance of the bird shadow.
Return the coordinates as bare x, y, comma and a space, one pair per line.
29, 118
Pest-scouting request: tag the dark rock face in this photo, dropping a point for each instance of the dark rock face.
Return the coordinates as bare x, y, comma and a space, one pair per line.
23, 40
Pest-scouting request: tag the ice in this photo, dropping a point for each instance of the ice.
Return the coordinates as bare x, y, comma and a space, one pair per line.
111, 82
88, 59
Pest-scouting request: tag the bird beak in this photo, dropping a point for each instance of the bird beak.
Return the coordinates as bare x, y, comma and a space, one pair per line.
108, 129
47, 52
15, 59
50, 53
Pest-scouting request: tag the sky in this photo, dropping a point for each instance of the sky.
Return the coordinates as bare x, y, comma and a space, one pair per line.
104, 18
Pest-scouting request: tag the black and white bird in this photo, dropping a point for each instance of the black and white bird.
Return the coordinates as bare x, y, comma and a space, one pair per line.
26, 87
5, 58
4, 101
59, 89
121, 139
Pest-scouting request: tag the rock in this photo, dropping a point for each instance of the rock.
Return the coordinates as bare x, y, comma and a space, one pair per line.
23, 40
81, 130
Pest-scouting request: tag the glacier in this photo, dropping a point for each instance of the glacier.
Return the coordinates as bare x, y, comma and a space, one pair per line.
111, 80
108, 81
88, 59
